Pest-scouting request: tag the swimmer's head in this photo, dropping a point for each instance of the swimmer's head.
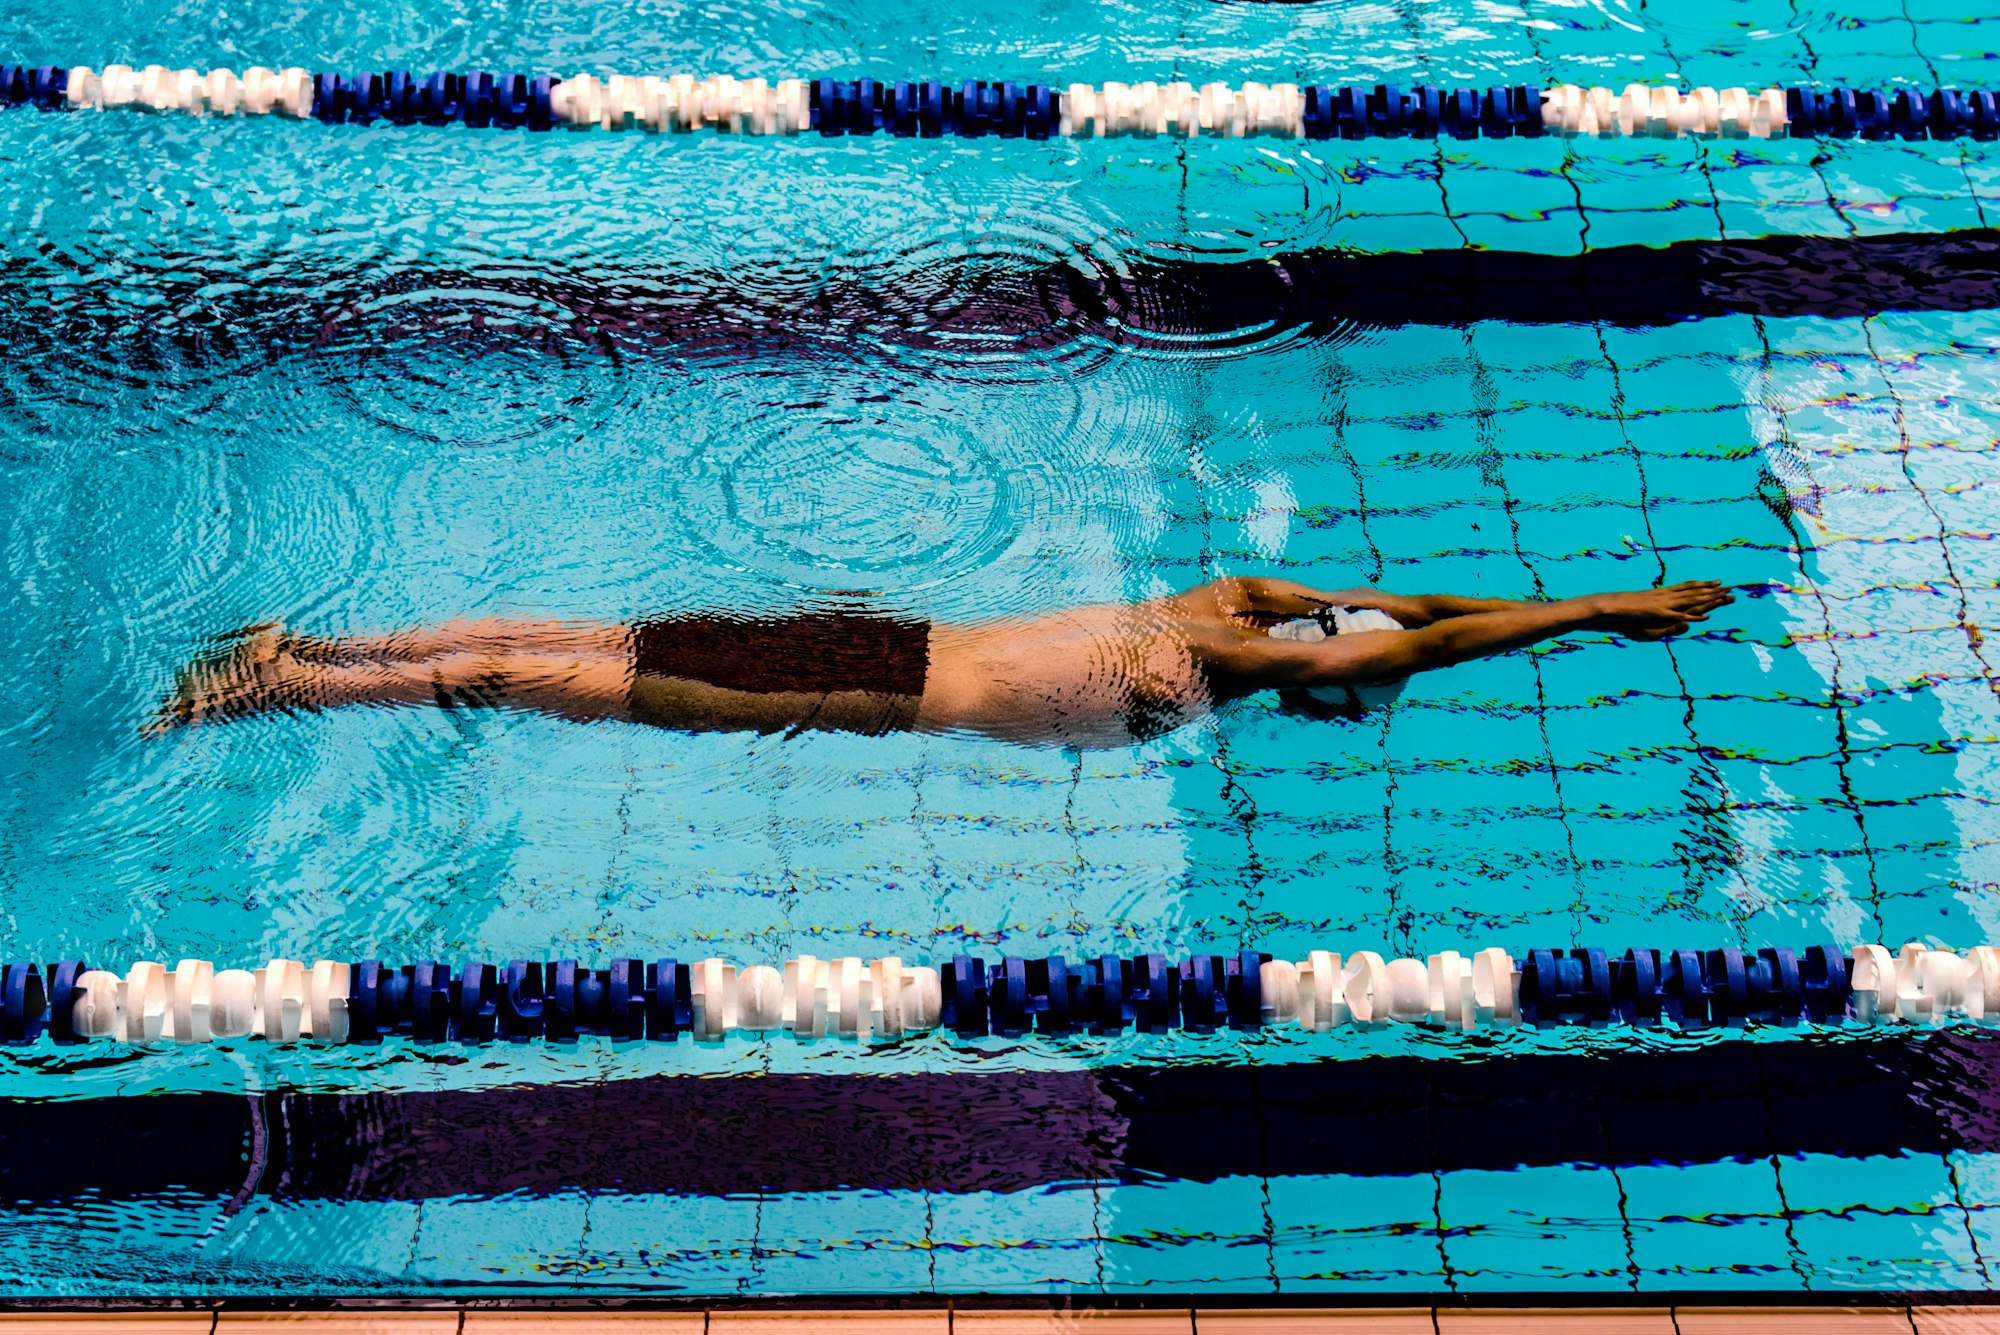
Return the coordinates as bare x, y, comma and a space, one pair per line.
1345, 621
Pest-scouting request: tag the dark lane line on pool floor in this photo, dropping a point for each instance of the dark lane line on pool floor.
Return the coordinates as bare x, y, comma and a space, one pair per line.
981, 304
1380, 1116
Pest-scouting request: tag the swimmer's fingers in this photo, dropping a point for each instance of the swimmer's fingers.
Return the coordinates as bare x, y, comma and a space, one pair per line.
1702, 593
1696, 602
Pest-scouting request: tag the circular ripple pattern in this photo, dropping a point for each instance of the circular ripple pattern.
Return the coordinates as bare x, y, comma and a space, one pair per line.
881, 496
468, 366
972, 261
971, 281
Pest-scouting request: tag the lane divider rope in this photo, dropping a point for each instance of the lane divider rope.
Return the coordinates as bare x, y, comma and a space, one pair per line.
330, 1001
930, 109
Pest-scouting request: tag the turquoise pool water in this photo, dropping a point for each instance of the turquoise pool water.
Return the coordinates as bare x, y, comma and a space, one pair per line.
338, 377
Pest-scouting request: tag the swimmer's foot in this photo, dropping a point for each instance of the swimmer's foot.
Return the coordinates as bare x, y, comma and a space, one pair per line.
1660, 614
254, 669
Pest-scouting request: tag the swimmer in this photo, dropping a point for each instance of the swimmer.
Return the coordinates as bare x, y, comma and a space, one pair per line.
1089, 676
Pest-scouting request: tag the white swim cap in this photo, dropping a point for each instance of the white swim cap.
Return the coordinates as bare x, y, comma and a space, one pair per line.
1346, 621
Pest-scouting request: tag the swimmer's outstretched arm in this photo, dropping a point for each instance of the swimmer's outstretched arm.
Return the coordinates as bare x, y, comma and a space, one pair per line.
1272, 599
1384, 655
1429, 607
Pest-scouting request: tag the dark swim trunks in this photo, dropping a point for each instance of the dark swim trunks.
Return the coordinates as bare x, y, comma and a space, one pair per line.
819, 670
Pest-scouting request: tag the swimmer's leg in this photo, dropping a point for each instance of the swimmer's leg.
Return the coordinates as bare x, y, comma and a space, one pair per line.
244, 664
579, 672
500, 635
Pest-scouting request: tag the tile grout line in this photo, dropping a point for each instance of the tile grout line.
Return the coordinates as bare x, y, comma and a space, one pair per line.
1486, 432
1705, 767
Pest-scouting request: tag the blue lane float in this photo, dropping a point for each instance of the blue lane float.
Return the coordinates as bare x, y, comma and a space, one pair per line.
929, 109
288, 1001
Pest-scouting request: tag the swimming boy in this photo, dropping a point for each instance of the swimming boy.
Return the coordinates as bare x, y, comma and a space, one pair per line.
1089, 676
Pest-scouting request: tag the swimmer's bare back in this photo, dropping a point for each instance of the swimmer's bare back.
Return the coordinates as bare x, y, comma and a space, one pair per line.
1089, 676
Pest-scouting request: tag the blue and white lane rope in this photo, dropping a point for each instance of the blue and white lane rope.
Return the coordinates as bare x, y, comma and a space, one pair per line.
287, 1001
930, 109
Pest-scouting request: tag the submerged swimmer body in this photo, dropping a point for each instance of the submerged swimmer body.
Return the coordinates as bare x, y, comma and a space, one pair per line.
1090, 676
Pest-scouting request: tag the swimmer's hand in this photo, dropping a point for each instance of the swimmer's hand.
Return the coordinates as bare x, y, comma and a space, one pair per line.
1659, 614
